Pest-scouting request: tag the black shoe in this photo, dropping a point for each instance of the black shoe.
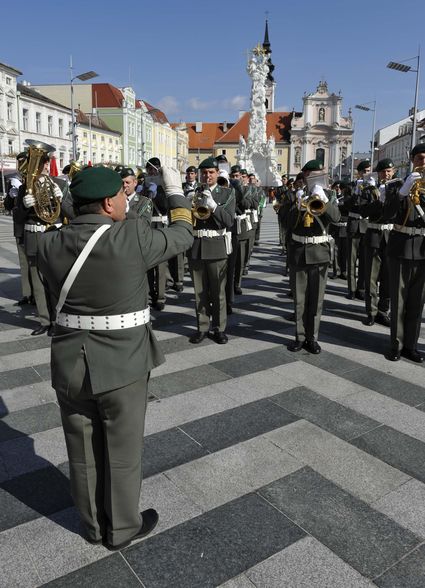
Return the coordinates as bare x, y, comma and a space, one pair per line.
332, 276
220, 337
312, 347
237, 290
383, 319
177, 287
50, 330
93, 541
41, 330
23, 301
369, 321
294, 346
32, 300
291, 317
158, 305
229, 309
245, 272
359, 295
197, 337
150, 519
393, 355
412, 354
343, 276
290, 294
350, 296
256, 243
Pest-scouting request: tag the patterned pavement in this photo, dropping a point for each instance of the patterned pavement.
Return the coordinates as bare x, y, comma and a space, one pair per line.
268, 468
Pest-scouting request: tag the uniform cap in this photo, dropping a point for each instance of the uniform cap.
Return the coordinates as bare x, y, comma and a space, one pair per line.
235, 169
191, 168
419, 148
384, 164
126, 172
244, 172
364, 164
313, 165
118, 168
220, 158
210, 162
95, 183
153, 162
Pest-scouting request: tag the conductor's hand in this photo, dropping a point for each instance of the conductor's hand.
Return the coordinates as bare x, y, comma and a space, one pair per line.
172, 181
408, 183
28, 200
209, 200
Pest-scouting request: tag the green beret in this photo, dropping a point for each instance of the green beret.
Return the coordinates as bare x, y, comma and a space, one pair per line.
118, 168
235, 169
244, 172
127, 171
419, 148
191, 168
95, 183
209, 163
384, 164
363, 165
313, 165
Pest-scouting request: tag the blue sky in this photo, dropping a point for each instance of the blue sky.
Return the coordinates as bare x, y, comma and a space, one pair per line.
189, 58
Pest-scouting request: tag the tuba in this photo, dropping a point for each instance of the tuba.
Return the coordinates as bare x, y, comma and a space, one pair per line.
199, 208
418, 188
47, 204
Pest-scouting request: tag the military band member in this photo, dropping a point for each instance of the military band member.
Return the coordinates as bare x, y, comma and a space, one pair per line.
356, 228
377, 291
309, 254
138, 204
191, 183
339, 233
242, 227
406, 261
208, 256
103, 347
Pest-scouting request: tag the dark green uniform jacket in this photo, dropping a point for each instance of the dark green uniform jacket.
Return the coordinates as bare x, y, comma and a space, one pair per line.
112, 281
401, 211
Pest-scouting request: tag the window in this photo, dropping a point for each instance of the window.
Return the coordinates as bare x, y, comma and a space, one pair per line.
320, 155
110, 141
61, 158
8, 81
102, 157
9, 111
25, 119
94, 157
38, 122
85, 135
60, 122
70, 127
223, 151
10, 147
279, 167
279, 151
50, 125
85, 157
102, 139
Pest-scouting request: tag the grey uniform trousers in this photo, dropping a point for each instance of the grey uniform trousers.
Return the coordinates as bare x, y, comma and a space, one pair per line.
308, 284
39, 293
376, 271
209, 278
407, 280
25, 273
104, 439
355, 251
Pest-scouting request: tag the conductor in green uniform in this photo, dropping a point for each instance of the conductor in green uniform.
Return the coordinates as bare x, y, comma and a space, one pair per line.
103, 347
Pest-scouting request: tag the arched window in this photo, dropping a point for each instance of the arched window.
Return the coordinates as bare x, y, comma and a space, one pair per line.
321, 114
320, 156
297, 156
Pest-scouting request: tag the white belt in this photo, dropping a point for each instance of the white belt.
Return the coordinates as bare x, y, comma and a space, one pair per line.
104, 323
221, 233
379, 226
39, 228
313, 240
255, 216
160, 219
354, 215
239, 219
339, 224
409, 230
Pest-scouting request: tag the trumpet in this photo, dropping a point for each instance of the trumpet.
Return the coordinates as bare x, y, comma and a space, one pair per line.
418, 188
276, 205
314, 206
199, 208
74, 168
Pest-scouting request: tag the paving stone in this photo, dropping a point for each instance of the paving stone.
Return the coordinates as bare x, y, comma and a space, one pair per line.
232, 472
177, 344
24, 359
357, 472
331, 362
251, 362
408, 573
305, 564
43, 370
238, 582
405, 505
328, 415
184, 380
16, 568
109, 572
18, 377
237, 424
367, 540
29, 421
254, 386
168, 449
26, 396
232, 535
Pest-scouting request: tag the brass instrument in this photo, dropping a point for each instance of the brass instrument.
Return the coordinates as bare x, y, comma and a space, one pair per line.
199, 208
42, 187
22, 163
74, 168
276, 205
314, 206
418, 187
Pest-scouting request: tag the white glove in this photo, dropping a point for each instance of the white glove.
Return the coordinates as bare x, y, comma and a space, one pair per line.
152, 189
319, 192
28, 200
407, 186
300, 196
210, 202
370, 181
172, 181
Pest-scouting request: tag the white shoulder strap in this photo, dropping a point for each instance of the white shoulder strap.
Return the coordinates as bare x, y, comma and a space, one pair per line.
78, 264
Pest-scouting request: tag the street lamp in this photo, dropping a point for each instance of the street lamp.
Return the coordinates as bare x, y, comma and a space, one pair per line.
404, 69
88, 75
370, 109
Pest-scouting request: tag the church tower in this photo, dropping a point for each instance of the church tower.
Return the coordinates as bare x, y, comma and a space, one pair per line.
270, 83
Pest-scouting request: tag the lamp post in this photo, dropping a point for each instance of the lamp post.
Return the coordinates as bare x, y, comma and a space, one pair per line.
404, 69
370, 109
88, 75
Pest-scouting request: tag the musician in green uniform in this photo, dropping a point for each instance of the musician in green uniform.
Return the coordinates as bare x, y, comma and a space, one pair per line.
309, 253
138, 204
103, 347
208, 256
405, 207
